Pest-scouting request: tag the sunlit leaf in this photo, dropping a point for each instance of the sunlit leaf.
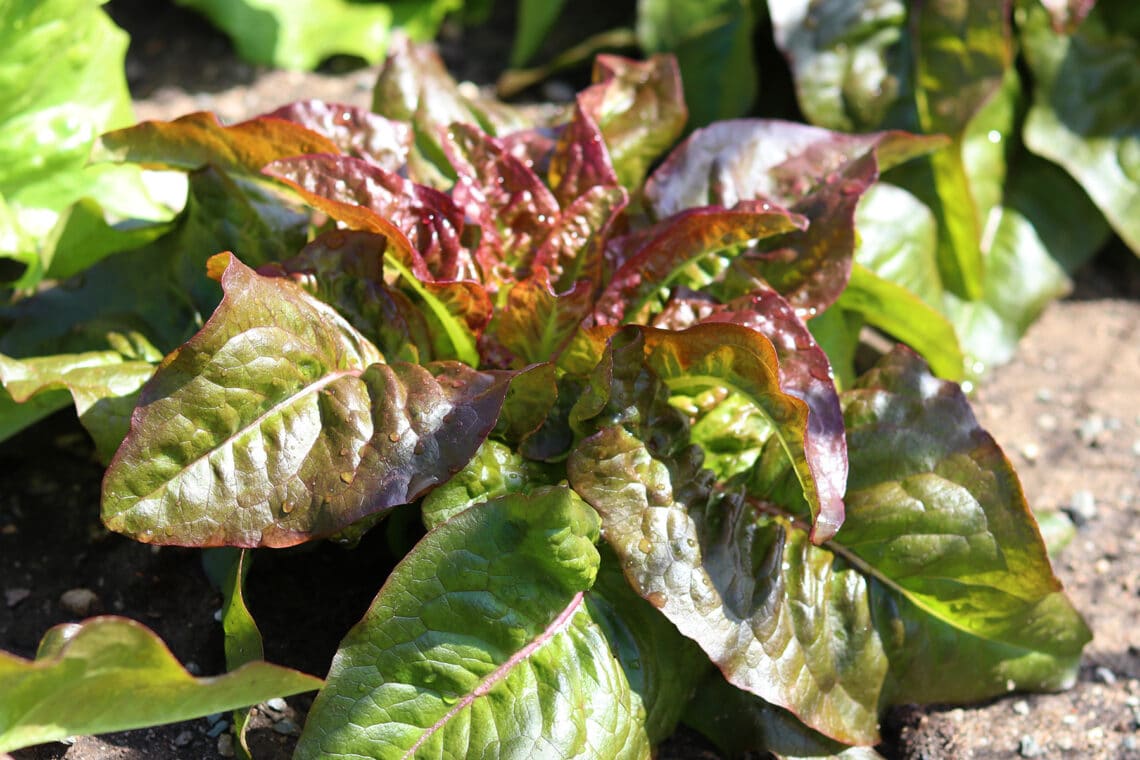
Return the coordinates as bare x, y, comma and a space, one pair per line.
481, 643
113, 674
276, 424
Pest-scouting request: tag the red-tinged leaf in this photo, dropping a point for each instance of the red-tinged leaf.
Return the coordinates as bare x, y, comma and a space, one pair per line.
749, 159
355, 131
536, 323
643, 365
275, 424
515, 210
580, 161
345, 269
814, 172
804, 372
811, 267
199, 139
429, 219
575, 248
664, 252
639, 108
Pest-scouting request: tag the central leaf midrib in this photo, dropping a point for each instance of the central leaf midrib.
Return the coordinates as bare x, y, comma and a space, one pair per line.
251, 425
500, 673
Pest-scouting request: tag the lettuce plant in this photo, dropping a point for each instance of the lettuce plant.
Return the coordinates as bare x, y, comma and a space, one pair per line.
646, 498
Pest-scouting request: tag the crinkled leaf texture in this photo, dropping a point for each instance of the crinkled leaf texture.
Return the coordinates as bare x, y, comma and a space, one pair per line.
482, 644
278, 422
113, 674
936, 588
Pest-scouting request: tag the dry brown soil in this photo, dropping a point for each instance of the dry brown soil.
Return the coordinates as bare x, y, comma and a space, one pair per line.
1066, 410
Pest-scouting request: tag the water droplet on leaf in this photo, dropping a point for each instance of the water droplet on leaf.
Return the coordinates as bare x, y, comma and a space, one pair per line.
645, 545
393, 437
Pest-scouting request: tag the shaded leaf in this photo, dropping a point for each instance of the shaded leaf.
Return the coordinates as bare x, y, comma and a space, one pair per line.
708, 39
535, 323
739, 722
1082, 116
82, 668
275, 424
535, 18
662, 666
530, 398
480, 643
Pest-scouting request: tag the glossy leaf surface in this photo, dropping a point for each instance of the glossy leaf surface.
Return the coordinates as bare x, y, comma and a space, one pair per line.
83, 669
481, 644
275, 424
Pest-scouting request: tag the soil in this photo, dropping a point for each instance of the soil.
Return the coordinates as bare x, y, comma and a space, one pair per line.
1066, 411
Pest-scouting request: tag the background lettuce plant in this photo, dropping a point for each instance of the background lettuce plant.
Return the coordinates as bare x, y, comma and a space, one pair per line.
646, 498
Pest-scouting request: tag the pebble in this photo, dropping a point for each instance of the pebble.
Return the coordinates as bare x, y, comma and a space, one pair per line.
80, 602
226, 745
1091, 429
1069, 720
1030, 451
1082, 507
183, 739
287, 727
1047, 422
1021, 707
1104, 675
1095, 734
1028, 746
1136, 448
13, 596
1044, 395
218, 729
277, 704
1130, 744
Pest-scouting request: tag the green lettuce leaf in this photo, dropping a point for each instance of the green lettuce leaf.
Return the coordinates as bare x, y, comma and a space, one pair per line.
113, 674
300, 34
1082, 116
481, 644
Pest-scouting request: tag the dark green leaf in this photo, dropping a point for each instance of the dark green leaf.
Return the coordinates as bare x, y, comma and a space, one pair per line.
481, 644
708, 39
1083, 115
536, 17
81, 669
739, 722
275, 424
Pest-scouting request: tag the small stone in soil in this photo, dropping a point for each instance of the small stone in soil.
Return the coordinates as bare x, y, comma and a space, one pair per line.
13, 596
226, 745
1047, 422
1082, 507
1021, 707
80, 602
1028, 746
1030, 451
277, 704
218, 729
183, 739
1104, 675
286, 727
1090, 429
